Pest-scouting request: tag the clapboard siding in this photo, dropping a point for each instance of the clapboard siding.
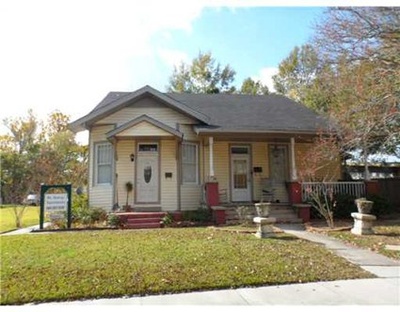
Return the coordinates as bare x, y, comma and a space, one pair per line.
221, 165
150, 108
125, 171
99, 195
169, 191
259, 159
144, 129
190, 197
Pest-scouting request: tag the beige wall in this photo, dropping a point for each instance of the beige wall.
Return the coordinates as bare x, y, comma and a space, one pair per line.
169, 186
125, 170
156, 111
99, 195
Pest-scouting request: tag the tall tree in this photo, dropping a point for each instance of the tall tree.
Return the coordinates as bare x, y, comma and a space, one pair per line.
297, 74
361, 47
249, 86
32, 155
361, 33
203, 75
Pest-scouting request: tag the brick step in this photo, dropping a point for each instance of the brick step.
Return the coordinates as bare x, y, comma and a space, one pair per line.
143, 220
143, 226
130, 215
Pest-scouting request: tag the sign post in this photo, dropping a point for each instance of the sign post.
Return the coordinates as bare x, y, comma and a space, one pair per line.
55, 202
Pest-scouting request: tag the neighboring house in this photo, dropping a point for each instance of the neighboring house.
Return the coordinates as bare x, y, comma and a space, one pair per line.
170, 145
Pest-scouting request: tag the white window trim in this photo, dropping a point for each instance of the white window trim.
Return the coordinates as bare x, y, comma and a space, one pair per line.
96, 165
196, 145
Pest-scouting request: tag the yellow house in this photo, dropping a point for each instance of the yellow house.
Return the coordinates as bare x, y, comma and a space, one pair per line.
171, 147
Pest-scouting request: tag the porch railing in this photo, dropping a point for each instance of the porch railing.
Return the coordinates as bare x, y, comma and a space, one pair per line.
356, 189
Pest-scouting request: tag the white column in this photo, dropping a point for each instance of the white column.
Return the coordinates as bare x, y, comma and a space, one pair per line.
211, 155
293, 160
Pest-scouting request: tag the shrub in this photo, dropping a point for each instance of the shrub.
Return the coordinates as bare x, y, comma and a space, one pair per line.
343, 206
381, 205
202, 215
87, 216
114, 220
167, 219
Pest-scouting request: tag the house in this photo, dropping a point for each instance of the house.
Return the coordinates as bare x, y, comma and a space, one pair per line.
181, 149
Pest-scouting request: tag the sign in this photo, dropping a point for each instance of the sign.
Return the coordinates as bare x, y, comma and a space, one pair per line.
56, 202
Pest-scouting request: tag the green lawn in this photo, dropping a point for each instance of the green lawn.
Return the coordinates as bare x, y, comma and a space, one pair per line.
111, 263
383, 236
7, 218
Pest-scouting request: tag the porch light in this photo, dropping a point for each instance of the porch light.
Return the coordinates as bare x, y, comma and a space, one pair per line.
132, 156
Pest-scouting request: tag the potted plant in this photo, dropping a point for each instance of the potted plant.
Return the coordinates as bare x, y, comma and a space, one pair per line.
363, 205
128, 188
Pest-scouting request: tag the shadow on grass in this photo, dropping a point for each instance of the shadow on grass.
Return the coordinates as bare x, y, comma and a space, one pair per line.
283, 238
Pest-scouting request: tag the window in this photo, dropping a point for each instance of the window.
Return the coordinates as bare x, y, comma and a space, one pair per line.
103, 163
148, 147
189, 163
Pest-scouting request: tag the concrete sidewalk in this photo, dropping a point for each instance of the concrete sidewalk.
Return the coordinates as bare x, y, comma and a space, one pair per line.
26, 230
383, 290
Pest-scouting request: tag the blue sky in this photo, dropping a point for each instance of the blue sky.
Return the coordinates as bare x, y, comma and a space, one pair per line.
66, 55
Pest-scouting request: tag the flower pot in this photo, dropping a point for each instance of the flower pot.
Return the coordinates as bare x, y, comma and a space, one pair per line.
263, 209
364, 206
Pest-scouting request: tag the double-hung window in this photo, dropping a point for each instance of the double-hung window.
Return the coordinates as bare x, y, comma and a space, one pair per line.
190, 163
103, 163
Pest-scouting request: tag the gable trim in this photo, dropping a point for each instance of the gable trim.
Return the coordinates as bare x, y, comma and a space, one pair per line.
97, 114
144, 118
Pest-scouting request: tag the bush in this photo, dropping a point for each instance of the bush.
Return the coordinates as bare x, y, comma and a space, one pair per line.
202, 215
114, 220
381, 205
167, 219
343, 206
82, 213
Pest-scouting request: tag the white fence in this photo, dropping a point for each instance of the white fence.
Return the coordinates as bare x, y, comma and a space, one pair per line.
356, 189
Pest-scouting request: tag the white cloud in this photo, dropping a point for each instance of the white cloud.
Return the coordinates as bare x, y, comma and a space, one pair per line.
173, 57
265, 76
67, 55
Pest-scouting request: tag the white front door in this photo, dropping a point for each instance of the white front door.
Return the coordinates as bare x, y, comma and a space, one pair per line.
240, 174
147, 173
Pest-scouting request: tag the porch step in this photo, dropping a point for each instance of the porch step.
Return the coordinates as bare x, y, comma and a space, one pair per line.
142, 220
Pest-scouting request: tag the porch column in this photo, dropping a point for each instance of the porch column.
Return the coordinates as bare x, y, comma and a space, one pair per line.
211, 155
293, 160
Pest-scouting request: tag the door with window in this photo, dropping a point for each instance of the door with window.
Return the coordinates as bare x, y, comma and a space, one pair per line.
240, 174
279, 171
147, 173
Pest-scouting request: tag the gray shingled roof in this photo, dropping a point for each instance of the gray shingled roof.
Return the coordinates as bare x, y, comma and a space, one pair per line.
223, 112
237, 112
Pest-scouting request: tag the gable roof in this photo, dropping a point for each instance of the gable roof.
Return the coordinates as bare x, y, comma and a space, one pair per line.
220, 113
236, 113
115, 101
140, 119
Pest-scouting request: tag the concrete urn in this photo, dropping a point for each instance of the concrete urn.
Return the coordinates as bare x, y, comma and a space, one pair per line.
263, 209
364, 206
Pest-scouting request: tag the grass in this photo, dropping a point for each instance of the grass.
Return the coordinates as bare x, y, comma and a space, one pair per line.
383, 235
113, 263
7, 217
